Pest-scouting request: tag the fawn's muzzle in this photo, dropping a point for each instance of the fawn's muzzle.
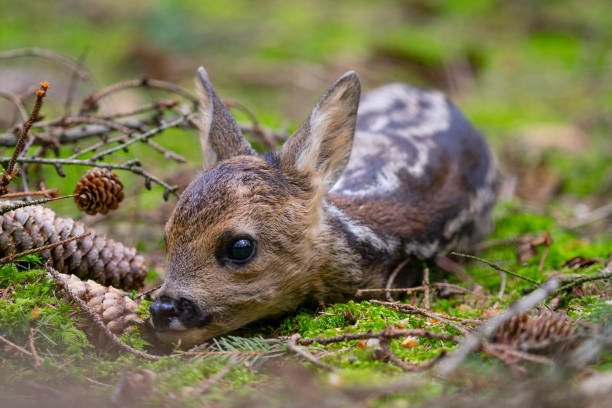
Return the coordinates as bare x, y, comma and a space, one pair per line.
177, 314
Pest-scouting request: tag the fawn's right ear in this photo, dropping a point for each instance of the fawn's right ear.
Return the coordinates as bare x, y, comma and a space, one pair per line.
220, 135
321, 147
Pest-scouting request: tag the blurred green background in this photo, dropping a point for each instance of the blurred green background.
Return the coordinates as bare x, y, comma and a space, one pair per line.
534, 76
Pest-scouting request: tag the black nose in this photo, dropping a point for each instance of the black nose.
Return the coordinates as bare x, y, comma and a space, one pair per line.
188, 314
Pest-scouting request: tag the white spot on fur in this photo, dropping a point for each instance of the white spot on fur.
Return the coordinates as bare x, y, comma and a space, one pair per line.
422, 250
361, 232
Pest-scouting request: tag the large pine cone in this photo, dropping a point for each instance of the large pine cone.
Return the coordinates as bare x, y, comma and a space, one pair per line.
536, 332
98, 191
92, 257
118, 312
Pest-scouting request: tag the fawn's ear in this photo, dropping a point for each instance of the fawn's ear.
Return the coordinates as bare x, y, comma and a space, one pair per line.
321, 147
220, 135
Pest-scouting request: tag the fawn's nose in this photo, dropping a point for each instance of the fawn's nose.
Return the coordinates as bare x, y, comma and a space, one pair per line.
177, 314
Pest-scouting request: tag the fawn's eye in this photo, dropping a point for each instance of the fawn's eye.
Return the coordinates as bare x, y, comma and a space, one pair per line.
241, 250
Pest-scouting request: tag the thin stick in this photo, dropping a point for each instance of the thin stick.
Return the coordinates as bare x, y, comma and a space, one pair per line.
91, 102
543, 258
49, 193
410, 368
435, 285
496, 267
16, 347
131, 166
392, 334
7, 208
397, 269
409, 309
10, 172
148, 292
605, 274
97, 319
33, 348
294, 348
140, 138
12, 257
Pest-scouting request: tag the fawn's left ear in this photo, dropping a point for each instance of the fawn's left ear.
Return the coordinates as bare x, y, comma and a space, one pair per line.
321, 147
220, 135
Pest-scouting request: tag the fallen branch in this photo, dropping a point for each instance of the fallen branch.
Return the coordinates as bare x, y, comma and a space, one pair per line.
11, 171
411, 368
435, 285
132, 166
16, 347
91, 102
6, 208
397, 269
496, 267
35, 355
390, 334
292, 347
12, 257
48, 193
409, 309
605, 274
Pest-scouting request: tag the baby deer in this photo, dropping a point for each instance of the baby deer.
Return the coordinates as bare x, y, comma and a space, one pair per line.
360, 186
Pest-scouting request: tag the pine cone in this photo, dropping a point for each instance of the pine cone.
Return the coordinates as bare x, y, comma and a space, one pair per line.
93, 257
536, 332
116, 310
98, 191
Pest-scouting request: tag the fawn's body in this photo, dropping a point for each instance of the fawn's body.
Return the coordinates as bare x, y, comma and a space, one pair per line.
347, 198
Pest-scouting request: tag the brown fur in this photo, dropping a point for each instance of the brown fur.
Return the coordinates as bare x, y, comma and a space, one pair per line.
304, 253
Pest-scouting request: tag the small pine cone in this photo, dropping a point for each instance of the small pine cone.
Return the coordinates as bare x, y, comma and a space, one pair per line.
536, 332
92, 257
118, 312
98, 191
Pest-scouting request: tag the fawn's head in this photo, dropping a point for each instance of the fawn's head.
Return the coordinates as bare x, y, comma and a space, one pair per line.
246, 239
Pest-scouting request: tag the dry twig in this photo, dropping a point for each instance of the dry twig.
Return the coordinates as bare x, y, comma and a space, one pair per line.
16, 347
292, 347
392, 277
409, 309
390, 333
11, 171
496, 267
12, 257
35, 355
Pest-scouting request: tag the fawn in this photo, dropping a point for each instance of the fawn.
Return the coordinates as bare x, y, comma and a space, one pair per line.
362, 184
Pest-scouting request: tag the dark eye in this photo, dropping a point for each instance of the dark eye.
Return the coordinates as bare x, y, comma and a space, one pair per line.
241, 250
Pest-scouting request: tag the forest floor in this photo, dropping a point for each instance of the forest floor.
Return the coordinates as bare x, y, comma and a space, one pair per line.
535, 80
